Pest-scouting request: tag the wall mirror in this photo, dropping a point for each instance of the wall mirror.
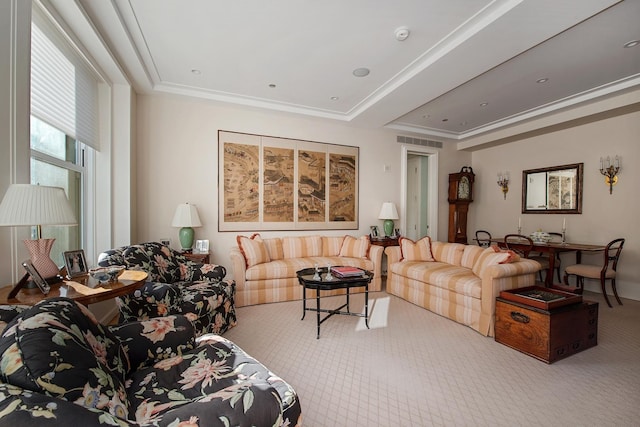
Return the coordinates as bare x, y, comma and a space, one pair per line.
553, 190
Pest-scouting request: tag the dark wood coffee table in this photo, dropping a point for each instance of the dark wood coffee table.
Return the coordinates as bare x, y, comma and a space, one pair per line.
307, 281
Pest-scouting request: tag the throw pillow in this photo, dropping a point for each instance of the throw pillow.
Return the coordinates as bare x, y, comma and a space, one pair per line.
355, 248
490, 257
58, 348
253, 249
416, 251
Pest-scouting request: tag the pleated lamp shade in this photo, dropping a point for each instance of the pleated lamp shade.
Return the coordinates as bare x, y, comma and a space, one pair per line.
29, 205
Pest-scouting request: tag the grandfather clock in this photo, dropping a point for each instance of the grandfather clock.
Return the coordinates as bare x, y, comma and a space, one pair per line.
460, 195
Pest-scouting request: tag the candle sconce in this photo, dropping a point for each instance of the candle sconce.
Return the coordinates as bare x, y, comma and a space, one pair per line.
610, 171
503, 182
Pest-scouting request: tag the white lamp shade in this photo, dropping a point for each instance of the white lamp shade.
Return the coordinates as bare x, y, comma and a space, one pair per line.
388, 211
28, 205
186, 216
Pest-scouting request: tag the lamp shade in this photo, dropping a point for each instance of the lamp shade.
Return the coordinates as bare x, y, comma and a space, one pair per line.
27, 205
388, 211
186, 216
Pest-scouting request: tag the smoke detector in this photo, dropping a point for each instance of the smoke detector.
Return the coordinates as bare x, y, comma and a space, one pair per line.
402, 33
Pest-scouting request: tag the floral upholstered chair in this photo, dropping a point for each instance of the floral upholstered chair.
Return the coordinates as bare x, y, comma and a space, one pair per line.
175, 285
60, 366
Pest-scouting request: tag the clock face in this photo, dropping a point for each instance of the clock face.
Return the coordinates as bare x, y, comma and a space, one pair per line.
464, 188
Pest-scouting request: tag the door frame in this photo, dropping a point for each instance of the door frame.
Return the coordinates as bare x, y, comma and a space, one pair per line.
432, 185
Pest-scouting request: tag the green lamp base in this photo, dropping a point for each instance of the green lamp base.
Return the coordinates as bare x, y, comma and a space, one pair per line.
186, 237
388, 227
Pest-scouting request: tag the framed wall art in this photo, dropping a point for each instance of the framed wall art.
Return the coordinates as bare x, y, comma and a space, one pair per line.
270, 183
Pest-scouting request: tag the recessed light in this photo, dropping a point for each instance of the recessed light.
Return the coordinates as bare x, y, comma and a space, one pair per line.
484, 104
196, 72
445, 120
543, 80
334, 98
632, 43
361, 72
272, 85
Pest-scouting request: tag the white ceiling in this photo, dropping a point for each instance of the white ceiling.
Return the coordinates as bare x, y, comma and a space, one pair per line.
459, 55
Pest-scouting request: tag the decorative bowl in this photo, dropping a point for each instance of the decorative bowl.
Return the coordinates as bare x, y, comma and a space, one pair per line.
107, 274
540, 237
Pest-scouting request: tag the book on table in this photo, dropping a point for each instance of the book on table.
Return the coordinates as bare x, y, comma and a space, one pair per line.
347, 271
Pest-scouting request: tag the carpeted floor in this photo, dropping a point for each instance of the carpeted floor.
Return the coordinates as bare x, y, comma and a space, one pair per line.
415, 368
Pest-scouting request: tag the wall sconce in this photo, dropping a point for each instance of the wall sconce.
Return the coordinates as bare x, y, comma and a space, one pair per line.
610, 171
503, 182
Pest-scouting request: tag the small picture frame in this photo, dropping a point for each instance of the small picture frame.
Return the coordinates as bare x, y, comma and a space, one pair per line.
202, 246
166, 242
36, 277
75, 263
374, 231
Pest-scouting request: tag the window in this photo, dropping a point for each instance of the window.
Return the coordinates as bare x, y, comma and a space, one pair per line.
64, 123
56, 160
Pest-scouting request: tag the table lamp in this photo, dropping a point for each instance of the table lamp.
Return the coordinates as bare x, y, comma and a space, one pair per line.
388, 213
29, 205
186, 216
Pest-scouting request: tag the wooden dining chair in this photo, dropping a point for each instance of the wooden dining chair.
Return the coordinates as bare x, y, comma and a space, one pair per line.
483, 238
543, 258
599, 272
520, 244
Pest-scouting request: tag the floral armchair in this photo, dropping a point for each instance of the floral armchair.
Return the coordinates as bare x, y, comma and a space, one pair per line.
175, 285
59, 366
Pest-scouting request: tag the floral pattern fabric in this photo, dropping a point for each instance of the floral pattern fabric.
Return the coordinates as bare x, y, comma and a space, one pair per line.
176, 286
58, 365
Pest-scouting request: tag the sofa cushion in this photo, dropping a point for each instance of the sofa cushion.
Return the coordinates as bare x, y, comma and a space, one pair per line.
331, 245
274, 247
156, 259
491, 257
470, 255
287, 268
451, 253
459, 280
302, 246
355, 248
416, 251
253, 249
58, 348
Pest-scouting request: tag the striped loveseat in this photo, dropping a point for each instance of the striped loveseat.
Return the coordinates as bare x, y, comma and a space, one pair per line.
457, 281
265, 269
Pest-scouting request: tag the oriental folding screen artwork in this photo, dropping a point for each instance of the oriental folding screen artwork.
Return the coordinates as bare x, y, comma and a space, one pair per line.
270, 183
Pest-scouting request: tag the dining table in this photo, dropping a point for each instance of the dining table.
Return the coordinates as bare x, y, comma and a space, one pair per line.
551, 249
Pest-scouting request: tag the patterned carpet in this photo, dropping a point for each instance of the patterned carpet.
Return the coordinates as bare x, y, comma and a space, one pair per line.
415, 368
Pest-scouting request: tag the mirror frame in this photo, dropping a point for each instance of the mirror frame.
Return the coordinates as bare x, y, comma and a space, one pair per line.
578, 210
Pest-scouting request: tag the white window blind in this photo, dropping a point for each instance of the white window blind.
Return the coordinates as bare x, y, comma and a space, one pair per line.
64, 91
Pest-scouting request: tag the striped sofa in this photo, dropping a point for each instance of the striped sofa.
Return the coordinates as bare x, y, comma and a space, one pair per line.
457, 281
265, 269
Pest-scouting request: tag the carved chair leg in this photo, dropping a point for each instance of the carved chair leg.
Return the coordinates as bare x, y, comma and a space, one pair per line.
604, 292
615, 291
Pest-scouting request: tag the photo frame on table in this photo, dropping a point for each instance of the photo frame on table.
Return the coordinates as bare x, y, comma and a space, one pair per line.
374, 231
75, 263
202, 246
36, 277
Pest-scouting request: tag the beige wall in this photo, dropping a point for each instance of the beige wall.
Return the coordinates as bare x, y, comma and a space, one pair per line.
604, 216
175, 130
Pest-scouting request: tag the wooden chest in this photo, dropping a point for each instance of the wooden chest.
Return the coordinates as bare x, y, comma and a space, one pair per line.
547, 335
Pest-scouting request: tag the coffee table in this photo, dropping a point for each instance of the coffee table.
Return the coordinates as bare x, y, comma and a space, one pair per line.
307, 281
83, 289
